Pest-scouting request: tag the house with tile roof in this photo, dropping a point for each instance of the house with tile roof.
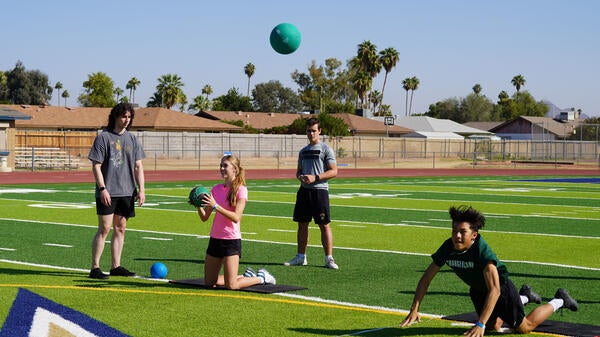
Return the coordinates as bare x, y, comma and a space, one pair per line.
92, 118
357, 125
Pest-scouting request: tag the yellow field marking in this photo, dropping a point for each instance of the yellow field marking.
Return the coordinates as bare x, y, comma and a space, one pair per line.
210, 294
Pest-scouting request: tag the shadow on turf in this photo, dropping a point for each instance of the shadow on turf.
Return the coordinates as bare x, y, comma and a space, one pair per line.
385, 332
555, 277
62, 273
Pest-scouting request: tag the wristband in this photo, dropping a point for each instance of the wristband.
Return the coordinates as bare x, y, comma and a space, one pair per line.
100, 189
317, 178
479, 324
215, 207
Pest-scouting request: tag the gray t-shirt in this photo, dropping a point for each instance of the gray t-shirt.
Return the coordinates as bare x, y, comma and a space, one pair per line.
117, 154
314, 159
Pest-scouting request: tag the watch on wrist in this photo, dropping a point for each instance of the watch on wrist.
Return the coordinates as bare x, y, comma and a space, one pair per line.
100, 189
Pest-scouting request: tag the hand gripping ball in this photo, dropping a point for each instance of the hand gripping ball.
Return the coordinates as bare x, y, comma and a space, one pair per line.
285, 38
196, 195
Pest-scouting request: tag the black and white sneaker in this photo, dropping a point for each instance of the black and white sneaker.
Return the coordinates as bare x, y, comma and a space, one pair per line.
532, 296
568, 301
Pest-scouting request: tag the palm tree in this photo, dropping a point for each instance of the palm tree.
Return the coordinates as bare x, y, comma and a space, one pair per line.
518, 81
118, 92
132, 85
406, 86
207, 90
477, 89
170, 90
249, 71
65, 95
361, 82
503, 97
389, 57
414, 85
368, 60
58, 86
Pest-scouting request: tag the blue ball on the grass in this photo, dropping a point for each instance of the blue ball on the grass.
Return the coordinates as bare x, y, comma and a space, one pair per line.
158, 270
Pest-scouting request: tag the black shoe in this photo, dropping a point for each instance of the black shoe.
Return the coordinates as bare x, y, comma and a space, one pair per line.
532, 296
568, 301
98, 274
120, 271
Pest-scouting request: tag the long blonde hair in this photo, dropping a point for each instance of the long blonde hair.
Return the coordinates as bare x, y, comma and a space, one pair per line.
239, 180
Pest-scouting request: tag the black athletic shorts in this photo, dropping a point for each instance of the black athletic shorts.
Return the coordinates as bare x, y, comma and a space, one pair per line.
221, 247
509, 306
312, 203
123, 206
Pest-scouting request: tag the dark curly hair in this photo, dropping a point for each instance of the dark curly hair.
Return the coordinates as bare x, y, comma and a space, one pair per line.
118, 111
467, 214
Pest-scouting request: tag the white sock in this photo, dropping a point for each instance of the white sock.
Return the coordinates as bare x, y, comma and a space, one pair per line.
327, 257
524, 299
556, 303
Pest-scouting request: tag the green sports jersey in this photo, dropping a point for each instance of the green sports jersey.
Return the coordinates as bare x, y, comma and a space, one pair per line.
469, 265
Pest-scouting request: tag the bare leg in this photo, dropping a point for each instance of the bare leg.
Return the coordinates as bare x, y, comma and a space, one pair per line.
535, 318
212, 267
118, 239
326, 239
231, 279
302, 237
104, 222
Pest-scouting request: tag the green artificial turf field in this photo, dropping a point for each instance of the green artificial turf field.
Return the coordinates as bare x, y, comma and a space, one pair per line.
384, 230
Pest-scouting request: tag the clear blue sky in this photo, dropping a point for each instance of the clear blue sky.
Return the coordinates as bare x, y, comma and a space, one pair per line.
449, 45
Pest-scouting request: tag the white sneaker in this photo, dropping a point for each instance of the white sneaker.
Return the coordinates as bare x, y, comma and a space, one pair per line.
297, 261
249, 272
330, 263
266, 276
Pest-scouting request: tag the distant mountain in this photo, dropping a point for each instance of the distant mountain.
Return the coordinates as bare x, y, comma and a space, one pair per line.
554, 111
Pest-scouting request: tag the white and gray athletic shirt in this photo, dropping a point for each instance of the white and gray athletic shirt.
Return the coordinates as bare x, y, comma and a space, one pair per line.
118, 154
314, 159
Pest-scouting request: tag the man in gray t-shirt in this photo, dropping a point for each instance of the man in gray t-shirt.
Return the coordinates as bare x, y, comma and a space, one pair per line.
316, 164
116, 159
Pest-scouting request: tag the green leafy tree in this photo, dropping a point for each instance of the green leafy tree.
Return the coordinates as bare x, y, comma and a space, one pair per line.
58, 86
155, 101
326, 87
249, 71
475, 108
361, 82
388, 57
65, 95
27, 87
446, 109
98, 91
232, 101
200, 103
170, 91
330, 125
132, 86
274, 97
3, 87
523, 104
477, 89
